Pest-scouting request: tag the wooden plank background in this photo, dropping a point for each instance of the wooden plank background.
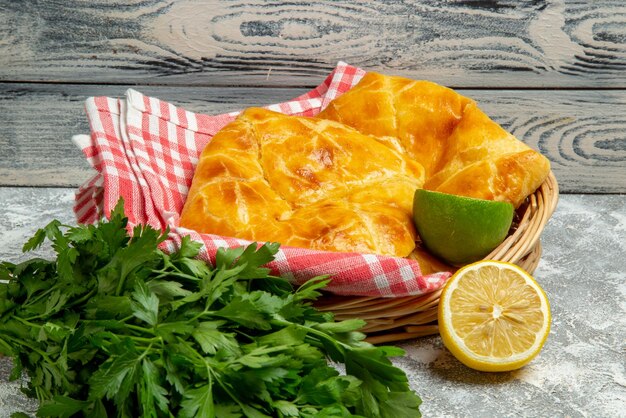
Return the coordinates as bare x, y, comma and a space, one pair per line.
552, 72
256, 42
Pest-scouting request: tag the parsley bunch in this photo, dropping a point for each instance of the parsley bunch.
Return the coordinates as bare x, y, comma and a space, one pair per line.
116, 327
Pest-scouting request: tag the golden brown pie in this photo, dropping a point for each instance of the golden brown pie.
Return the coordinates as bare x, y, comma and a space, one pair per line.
304, 182
344, 181
462, 150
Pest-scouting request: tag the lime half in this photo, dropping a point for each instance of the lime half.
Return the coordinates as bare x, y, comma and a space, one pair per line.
459, 229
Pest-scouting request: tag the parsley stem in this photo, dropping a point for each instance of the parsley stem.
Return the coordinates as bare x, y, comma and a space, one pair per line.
120, 286
41, 395
41, 295
26, 322
181, 275
229, 392
127, 318
5, 348
144, 340
84, 298
201, 314
310, 330
43, 315
35, 349
149, 341
140, 329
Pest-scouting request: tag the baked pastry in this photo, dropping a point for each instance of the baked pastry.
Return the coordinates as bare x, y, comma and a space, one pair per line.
344, 181
462, 150
304, 182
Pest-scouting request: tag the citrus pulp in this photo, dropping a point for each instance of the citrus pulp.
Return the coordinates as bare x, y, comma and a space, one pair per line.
493, 316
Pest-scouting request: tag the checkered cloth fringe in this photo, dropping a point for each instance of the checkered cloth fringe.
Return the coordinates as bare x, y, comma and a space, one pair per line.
145, 150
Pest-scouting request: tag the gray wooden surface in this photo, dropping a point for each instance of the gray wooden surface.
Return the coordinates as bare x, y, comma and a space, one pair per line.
581, 132
579, 373
552, 72
255, 42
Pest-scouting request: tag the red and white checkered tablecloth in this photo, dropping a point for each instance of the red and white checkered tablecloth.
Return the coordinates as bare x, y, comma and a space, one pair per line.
145, 150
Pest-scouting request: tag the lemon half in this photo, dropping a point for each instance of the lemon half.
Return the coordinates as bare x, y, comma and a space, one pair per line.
493, 316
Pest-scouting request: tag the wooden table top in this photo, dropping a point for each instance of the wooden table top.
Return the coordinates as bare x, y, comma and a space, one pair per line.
551, 72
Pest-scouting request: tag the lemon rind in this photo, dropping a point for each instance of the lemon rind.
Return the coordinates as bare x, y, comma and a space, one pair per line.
462, 349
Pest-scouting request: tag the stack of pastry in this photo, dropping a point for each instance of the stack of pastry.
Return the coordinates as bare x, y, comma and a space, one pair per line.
344, 180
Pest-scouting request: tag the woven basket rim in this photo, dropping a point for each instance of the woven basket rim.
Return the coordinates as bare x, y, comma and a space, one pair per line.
540, 207
392, 319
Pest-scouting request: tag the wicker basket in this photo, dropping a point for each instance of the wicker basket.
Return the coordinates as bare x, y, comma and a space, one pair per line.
401, 318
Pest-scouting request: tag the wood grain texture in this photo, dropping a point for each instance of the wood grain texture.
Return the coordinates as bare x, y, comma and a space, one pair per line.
38, 121
486, 43
582, 132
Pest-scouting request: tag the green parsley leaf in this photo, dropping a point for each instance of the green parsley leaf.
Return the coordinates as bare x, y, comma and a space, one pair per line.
145, 304
188, 249
35, 241
62, 407
112, 326
244, 311
109, 380
153, 395
211, 338
167, 290
198, 402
